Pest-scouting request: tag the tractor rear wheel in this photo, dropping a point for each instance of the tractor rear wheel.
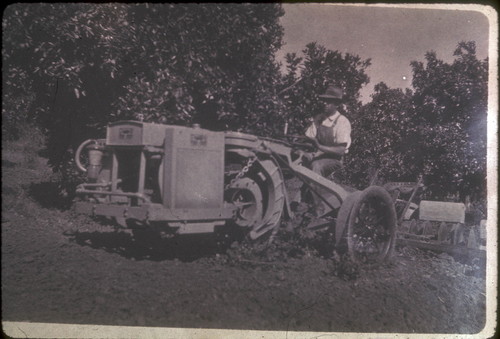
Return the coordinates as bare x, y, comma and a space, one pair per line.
273, 186
246, 194
259, 195
371, 228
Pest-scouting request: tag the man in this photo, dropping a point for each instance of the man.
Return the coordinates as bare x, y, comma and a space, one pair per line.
331, 133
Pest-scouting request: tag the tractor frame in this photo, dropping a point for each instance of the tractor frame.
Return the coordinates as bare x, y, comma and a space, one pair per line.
192, 180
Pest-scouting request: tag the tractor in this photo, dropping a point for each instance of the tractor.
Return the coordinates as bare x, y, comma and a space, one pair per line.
189, 180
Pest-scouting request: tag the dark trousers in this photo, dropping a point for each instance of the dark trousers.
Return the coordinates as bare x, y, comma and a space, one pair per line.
326, 167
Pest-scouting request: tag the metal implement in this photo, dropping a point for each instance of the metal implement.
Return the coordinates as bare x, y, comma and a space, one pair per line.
192, 180
432, 225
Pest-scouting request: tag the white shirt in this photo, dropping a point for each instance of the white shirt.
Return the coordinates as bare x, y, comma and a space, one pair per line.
341, 131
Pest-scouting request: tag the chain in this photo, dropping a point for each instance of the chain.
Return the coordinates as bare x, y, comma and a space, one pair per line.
241, 173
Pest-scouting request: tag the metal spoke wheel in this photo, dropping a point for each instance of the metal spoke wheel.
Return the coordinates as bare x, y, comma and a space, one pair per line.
371, 226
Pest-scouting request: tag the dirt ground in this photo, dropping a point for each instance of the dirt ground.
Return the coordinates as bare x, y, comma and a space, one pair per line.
61, 267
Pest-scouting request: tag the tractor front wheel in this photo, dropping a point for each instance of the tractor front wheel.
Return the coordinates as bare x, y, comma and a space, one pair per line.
371, 228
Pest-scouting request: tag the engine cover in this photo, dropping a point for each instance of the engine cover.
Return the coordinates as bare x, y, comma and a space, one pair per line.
193, 169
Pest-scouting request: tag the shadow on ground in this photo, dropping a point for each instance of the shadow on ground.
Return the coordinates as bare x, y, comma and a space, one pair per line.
143, 246
7, 163
48, 195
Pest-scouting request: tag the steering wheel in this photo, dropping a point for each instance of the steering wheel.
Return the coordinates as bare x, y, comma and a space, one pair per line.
301, 142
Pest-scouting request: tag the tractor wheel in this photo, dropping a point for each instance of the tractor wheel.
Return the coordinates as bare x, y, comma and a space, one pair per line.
372, 226
342, 221
273, 197
246, 194
260, 198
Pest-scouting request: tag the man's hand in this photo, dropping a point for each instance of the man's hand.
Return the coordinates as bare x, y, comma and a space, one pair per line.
316, 142
338, 149
307, 156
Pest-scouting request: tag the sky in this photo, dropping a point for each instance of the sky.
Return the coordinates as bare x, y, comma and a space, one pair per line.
391, 36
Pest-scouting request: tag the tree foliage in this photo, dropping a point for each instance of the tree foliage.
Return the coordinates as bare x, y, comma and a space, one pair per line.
384, 138
86, 64
308, 77
72, 68
438, 131
451, 104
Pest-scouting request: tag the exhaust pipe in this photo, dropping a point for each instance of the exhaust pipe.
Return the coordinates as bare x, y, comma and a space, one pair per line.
95, 153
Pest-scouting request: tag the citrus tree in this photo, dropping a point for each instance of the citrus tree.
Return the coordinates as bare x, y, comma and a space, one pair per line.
451, 111
437, 130
75, 67
309, 76
385, 139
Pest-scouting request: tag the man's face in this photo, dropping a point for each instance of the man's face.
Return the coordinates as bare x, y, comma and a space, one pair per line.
330, 107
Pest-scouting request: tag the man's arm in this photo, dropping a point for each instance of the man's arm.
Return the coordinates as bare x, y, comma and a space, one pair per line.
311, 132
343, 138
338, 149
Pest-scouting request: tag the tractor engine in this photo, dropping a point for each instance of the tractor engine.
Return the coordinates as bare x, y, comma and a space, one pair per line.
144, 172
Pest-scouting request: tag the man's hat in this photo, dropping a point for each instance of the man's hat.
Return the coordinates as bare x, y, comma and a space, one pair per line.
332, 93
